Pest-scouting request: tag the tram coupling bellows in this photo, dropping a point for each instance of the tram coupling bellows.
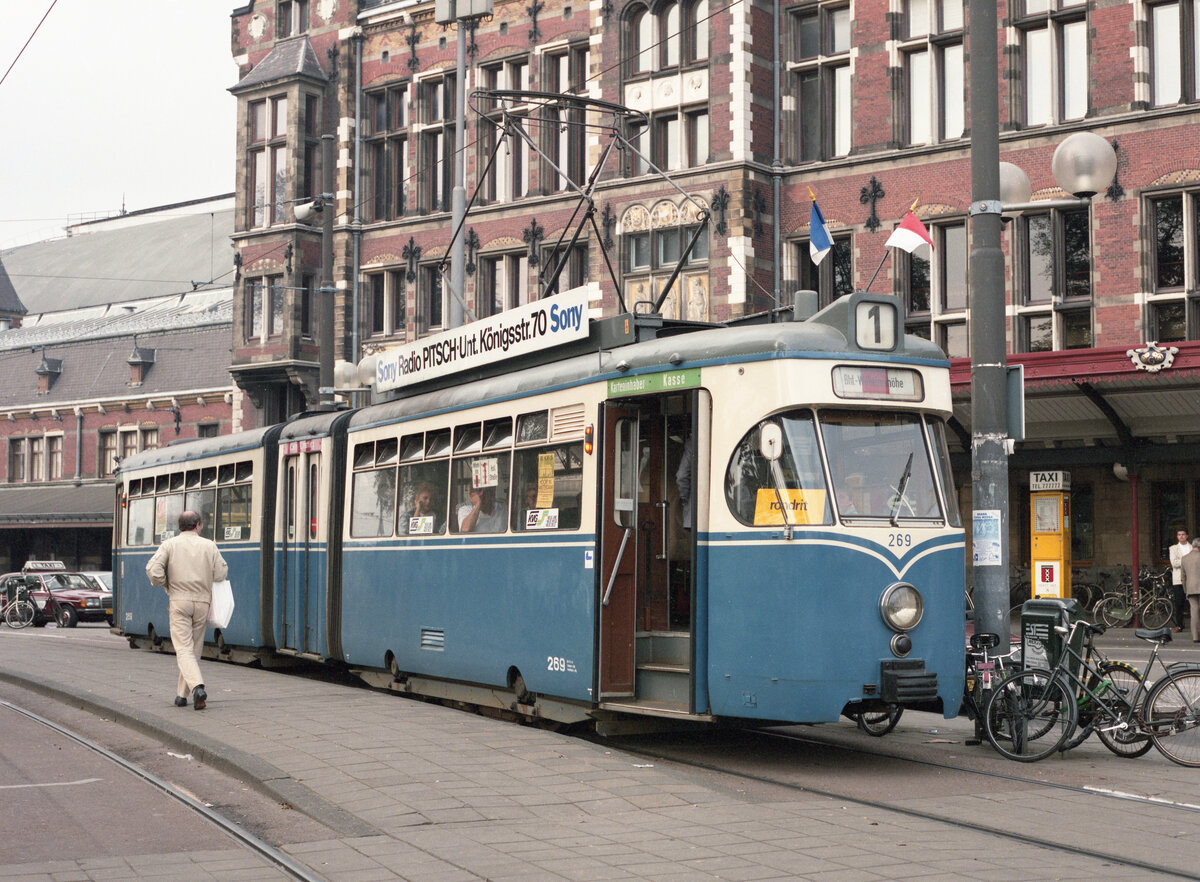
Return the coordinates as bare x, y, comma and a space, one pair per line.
907, 682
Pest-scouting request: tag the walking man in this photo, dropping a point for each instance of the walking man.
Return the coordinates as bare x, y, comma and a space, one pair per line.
186, 565
1176, 554
1190, 567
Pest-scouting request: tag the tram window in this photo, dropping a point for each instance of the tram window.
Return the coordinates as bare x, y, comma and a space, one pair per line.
468, 439
497, 433
373, 502
480, 493
135, 487
203, 502
140, 521
754, 488
177, 481
437, 443
625, 491
385, 451
225, 474
549, 481
941, 458
244, 472
412, 447
208, 477
423, 499
162, 483
192, 479
167, 509
233, 512
870, 456
313, 486
532, 427
364, 454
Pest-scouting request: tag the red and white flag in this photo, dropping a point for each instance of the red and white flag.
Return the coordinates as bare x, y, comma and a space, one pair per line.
910, 235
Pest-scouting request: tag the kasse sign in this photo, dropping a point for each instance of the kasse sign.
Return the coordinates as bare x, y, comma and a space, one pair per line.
531, 328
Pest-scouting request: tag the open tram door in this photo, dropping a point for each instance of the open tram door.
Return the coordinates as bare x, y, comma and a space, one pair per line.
654, 461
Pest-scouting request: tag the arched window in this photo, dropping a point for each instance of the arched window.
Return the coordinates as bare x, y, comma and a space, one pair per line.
698, 30
641, 49
668, 30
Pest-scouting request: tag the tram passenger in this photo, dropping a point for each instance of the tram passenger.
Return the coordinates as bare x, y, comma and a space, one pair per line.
423, 507
481, 514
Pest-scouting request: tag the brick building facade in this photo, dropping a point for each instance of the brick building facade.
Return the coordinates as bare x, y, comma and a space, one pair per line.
103, 357
869, 117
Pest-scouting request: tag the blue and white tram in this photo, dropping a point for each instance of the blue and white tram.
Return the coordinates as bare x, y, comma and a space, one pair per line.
750, 522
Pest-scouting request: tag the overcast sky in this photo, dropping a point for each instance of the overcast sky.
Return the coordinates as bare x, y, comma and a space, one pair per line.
113, 103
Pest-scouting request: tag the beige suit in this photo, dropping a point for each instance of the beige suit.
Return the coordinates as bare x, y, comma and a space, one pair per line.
1189, 568
186, 567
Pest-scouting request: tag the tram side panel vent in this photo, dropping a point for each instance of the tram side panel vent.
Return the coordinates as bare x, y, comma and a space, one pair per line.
567, 422
433, 638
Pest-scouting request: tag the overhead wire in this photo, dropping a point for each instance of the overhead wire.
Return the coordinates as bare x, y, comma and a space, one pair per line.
27, 42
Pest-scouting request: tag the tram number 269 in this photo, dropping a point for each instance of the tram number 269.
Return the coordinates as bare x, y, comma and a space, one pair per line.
558, 663
899, 540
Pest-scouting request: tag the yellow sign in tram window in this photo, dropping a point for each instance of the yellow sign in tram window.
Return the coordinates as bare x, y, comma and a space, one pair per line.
807, 507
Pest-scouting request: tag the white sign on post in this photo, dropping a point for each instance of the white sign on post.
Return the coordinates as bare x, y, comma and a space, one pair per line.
536, 326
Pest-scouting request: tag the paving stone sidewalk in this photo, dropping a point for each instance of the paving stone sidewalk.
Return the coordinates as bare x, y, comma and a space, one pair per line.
417, 791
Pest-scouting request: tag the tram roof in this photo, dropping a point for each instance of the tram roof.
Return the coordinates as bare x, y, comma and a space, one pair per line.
195, 447
668, 347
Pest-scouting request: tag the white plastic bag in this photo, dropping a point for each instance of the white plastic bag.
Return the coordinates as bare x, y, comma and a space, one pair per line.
220, 611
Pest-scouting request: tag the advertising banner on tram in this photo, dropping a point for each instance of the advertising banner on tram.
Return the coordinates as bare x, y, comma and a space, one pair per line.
531, 328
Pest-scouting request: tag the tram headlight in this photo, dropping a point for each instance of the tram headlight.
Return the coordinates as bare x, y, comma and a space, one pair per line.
901, 606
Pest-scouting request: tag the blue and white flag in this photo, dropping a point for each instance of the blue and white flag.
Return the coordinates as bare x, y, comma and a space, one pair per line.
819, 241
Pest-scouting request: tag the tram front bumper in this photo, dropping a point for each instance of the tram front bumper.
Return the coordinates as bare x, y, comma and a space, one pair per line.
907, 683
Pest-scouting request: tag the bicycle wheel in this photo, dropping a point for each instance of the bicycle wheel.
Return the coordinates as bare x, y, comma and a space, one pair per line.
1157, 613
1029, 716
1122, 679
879, 723
1115, 611
1172, 714
19, 613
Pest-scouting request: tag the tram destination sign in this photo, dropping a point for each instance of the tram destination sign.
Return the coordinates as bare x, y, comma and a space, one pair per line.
526, 329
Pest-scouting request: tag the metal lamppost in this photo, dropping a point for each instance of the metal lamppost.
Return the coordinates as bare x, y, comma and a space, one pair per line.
324, 205
446, 12
1082, 167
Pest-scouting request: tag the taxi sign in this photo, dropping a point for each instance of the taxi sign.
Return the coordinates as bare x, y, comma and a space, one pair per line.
44, 566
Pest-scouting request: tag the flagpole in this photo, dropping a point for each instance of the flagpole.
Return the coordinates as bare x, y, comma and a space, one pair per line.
877, 269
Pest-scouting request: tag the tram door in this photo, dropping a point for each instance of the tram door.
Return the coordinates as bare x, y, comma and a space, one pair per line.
303, 573
648, 549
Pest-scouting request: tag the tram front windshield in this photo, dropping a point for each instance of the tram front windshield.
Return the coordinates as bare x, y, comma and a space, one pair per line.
880, 465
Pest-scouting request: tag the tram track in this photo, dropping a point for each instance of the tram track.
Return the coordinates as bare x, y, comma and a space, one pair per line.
276, 858
1095, 843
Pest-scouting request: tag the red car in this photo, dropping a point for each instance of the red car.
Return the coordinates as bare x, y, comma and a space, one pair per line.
67, 598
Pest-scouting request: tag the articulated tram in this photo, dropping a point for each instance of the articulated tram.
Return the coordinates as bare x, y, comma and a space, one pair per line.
753, 521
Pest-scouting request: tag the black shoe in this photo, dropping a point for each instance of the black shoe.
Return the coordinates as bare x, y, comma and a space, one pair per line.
199, 697
180, 701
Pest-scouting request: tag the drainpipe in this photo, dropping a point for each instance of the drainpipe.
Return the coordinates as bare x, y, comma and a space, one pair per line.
356, 221
777, 161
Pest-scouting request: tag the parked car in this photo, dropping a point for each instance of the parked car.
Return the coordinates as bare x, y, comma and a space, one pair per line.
66, 598
104, 577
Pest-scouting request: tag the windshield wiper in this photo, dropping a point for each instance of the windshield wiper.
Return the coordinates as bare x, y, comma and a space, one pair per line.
900, 488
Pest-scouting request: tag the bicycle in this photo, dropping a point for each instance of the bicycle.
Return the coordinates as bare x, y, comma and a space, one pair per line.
1154, 607
21, 611
1034, 713
984, 672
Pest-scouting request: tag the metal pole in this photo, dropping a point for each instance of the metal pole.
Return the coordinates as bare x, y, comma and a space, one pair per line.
327, 290
989, 418
458, 198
